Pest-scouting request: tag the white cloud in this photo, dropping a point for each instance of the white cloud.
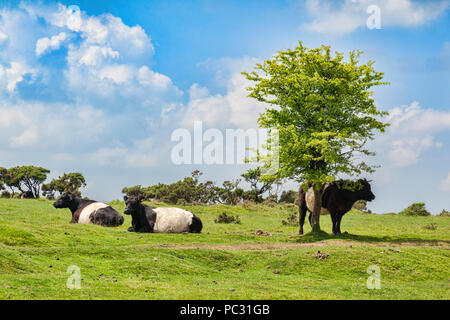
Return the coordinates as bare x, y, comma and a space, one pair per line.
3, 37
330, 18
100, 30
42, 126
26, 138
91, 55
141, 154
412, 132
213, 110
150, 78
12, 75
406, 151
107, 60
117, 73
445, 185
231, 109
46, 44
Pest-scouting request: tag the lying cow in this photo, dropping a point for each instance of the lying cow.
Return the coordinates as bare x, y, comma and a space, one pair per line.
89, 211
160, 220
335, 200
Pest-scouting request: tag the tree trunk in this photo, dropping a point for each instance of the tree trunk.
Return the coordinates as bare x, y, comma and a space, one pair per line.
315, 215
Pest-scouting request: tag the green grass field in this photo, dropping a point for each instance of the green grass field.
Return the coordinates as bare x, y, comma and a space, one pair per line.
225, 261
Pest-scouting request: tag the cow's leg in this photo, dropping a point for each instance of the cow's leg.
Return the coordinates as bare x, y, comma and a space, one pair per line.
338, 225
74, 219
334, 220
302, 217
301, 209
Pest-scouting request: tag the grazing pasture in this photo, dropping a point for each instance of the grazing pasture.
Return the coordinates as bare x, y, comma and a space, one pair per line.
260, 258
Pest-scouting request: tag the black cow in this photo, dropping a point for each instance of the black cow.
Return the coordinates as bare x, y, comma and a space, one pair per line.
89, 211
160, 220
336, 200
27, 195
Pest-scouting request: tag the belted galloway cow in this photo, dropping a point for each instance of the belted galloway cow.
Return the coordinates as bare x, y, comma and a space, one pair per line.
160, 220
336, 200
89, 211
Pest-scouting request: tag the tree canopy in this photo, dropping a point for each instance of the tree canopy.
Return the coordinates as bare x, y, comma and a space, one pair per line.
25, 178
258, 184
323, 110
68, 182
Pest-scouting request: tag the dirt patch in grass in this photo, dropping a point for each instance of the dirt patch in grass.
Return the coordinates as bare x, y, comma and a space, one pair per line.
293, 246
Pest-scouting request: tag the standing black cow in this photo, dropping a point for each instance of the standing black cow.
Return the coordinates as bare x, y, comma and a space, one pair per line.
89, 211
336, 200
160, 220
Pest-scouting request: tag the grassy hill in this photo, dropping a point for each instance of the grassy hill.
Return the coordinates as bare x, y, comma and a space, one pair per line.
225, 261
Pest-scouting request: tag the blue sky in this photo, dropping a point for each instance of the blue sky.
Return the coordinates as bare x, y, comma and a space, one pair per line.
100, 92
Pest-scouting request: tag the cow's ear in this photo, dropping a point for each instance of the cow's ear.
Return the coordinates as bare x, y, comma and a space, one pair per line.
125, 198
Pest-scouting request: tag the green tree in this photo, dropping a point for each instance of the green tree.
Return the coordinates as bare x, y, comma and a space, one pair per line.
259, 184
68, 182
323, 110
135, 191
12, 180
30, 177
416, 209
288, 196
230, 193
3, 172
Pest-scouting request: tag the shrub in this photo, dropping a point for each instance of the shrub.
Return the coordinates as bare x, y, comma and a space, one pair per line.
416, 209
292, 220
69, 182
444, 213
289, 196
431, 226
224, 218
360, 205
247, 204
271, 201
6, 194
115, 202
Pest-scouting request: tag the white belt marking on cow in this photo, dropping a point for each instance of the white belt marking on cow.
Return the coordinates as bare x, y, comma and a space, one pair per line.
88, 210
172, 220
310, 200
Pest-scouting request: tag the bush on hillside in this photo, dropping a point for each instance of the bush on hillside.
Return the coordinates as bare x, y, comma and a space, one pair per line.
360, 205
416, 209
289, 196
224, 218
292, 220
271, 200
444, 213
431, 226
6, 194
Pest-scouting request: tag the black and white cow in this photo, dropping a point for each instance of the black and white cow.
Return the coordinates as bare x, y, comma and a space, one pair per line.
160, 220
89, 211
336, 200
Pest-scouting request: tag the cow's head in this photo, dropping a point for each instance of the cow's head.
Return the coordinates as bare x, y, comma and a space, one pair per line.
366, 191
64, 201
132, 203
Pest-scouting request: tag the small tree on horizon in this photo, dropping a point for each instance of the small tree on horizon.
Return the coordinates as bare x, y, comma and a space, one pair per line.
258, 184
3, 172
68, 182
25, 178
324, 112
